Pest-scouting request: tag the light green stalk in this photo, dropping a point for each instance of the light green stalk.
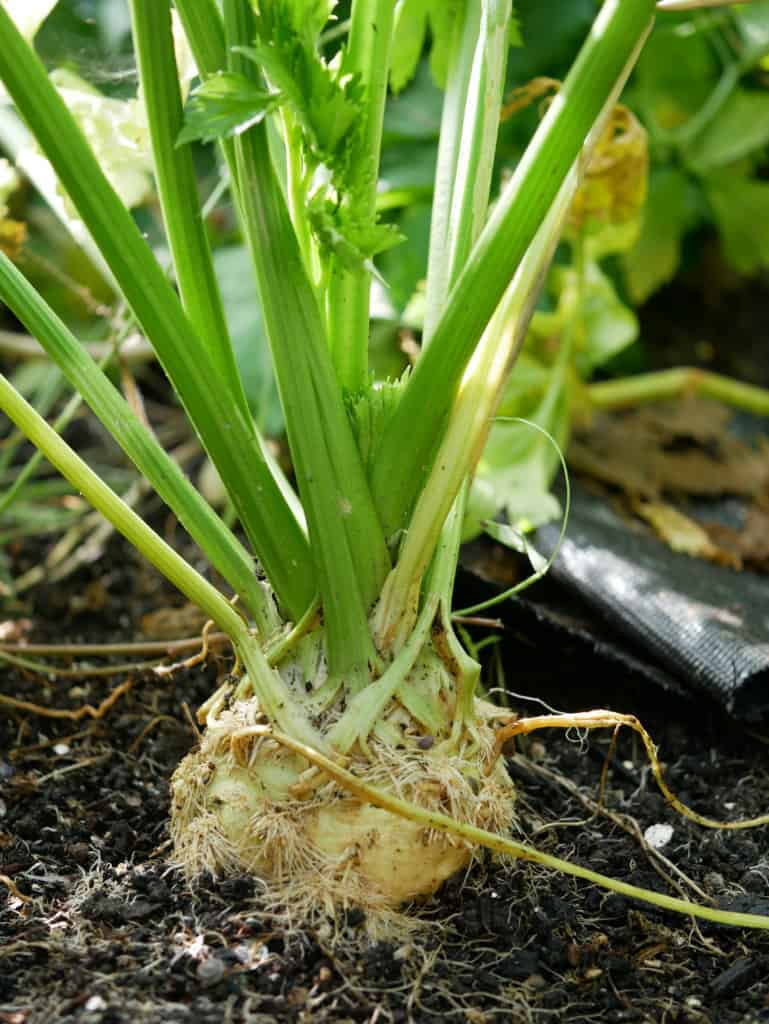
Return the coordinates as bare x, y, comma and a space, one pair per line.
469, 129
178, 190
267, 684
229, 438
676, 383
411, 437
368, 56
204, 29
198, 518
470, 422
345, 535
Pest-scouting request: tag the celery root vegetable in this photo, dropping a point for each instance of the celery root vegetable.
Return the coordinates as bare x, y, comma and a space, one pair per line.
350, 758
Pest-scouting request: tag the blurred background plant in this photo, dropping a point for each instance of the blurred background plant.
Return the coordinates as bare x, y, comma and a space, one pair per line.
680, 174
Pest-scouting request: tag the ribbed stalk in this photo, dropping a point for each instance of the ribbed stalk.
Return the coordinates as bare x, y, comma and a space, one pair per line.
178, 191
227, 435
272, 693
345, 536
367, 56
217, 542
408, 446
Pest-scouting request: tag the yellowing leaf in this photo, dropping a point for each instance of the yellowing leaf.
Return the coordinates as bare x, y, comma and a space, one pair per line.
610, 199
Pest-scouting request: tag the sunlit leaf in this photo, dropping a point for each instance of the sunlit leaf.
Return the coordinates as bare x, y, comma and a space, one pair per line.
607, 324
225, 104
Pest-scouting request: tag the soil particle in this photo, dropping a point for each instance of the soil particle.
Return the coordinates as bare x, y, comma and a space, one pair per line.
97, 926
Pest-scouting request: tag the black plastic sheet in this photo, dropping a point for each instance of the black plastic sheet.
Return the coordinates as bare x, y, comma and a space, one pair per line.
706, 624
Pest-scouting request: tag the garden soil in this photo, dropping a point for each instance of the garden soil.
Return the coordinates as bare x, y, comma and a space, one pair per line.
98, 927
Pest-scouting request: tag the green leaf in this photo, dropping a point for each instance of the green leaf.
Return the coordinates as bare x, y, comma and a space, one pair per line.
443, 16
412, 20
741, 212
520, 464
607, 325
671, 210
415, 113
549, 33
405, 267
353, 242
741, 127
326, 103
406, 174
370, 411
224, 105
526, 385
515, 539
309, 17
241, 303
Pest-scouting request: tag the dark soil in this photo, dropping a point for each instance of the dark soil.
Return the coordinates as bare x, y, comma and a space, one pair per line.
97, 927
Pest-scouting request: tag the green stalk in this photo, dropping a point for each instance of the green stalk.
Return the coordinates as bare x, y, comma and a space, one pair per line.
345, 535
198, 518
178, 191
277, 702
204, 28
469, 129
471, 418
228, 437
367, 56
676, 383
408, 446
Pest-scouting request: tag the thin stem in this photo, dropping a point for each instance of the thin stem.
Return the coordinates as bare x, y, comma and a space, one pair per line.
103, 498
228, 437
368, 56
177, 188
469, 129
276, 700
204, 29
473, 413
410, 439
677, 383
220, 545
507, 847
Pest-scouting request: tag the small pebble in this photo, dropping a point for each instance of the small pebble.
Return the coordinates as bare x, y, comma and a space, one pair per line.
210, 971
658, 836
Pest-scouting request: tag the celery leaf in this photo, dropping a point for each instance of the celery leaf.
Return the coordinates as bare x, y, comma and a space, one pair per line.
226, 104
